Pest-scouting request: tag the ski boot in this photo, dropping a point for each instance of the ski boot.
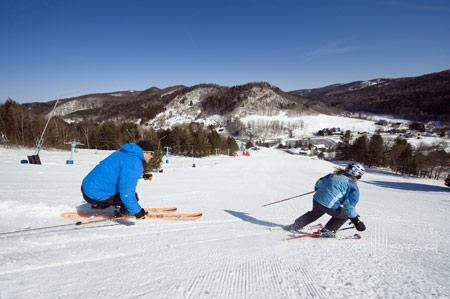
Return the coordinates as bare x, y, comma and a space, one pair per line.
122, 212
326, 233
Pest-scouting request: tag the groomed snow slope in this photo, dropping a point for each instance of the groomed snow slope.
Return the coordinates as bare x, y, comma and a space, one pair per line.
229, 253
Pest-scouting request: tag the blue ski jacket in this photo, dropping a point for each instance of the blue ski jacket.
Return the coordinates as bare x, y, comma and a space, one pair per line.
335, 190
118, 173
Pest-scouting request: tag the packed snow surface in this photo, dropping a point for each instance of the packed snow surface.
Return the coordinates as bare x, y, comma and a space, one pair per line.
230, 252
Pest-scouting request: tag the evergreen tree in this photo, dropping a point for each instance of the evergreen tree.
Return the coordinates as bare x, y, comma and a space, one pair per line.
10, 116
152, 136
359, 149
201, 143
214, 140
108, 136
129, 132
375, 151
173, 139
232, 145
395, 153
343, 147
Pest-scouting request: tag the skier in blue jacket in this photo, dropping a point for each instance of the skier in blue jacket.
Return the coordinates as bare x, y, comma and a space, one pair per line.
113, 181
336, 195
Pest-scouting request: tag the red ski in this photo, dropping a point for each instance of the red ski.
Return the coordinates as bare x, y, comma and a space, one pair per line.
319, 235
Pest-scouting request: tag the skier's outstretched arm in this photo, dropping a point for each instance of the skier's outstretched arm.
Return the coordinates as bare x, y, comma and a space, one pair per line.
128, 180
350, 201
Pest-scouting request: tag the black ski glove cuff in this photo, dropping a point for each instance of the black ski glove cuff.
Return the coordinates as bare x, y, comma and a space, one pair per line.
355, 219
359, 225
141, 214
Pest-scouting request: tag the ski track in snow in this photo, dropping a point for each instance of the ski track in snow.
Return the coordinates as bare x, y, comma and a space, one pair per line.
229, 253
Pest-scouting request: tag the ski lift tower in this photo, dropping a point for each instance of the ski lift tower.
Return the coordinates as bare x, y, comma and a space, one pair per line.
167, 148
35, 159
73, 145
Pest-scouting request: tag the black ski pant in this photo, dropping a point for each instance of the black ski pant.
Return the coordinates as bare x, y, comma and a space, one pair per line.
103, 204
337, 220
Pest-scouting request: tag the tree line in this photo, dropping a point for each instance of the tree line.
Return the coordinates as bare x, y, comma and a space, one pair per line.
18, 126
399, 155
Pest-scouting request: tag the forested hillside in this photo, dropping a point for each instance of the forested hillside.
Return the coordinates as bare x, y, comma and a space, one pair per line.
425, 97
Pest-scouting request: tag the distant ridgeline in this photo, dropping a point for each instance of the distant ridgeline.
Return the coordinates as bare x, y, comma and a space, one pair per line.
422, 98
177, 104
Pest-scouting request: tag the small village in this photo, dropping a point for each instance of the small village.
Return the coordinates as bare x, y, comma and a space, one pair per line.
324, 142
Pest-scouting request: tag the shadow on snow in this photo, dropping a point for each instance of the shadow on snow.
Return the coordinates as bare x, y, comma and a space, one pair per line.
408, 186
246, 217
87, 208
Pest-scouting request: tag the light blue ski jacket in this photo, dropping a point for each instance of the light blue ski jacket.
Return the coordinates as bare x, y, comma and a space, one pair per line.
118, 173
335, 190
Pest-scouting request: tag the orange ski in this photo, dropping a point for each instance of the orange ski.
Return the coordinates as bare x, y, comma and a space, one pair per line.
110, 213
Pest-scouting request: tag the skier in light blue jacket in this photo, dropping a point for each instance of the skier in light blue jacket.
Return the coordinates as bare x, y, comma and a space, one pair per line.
336, 195
113, 181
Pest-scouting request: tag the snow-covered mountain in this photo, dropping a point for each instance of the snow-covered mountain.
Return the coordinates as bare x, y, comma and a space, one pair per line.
212, 104
208, 104
184, 109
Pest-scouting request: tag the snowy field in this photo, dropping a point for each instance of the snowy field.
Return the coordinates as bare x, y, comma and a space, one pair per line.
229, 253
306, 124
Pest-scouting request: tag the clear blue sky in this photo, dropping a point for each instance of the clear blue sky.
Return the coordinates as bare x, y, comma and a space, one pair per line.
52, 48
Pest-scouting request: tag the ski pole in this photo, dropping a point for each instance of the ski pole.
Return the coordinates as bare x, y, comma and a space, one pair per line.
58, 226
345, 228
97, 220
271, 203
34, 229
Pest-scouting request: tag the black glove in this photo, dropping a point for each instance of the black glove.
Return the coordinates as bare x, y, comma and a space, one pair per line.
141, 214
359, 225
147, 176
